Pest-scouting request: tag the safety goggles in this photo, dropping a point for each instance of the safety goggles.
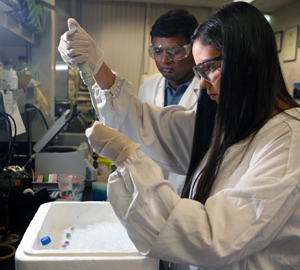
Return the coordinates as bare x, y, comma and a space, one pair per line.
174, 52
209, 70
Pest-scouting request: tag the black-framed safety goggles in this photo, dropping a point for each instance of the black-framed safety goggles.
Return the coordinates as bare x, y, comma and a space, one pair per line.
209, 69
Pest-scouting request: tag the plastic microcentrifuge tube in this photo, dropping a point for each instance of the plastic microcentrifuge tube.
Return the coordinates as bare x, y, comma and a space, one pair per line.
67, 243
63, 246
72, 229
68, 235
46, 242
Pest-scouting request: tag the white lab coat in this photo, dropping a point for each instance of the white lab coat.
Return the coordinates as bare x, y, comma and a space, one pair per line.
153, 91
251, 221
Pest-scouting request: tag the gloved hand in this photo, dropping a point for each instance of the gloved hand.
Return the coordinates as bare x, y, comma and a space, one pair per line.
77, 47
110, 143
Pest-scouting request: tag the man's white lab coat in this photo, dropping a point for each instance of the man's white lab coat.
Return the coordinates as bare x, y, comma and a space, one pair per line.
153, 91
251, 221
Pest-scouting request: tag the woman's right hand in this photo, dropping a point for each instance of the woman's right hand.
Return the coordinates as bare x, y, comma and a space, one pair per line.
77, 46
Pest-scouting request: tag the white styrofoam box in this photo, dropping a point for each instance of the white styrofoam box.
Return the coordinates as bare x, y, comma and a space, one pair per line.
55, 216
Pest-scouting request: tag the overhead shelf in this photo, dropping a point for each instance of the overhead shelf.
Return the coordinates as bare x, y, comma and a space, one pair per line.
21, 34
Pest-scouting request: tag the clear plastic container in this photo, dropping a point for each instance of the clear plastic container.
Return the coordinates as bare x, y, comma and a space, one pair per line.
23, 72
71, 186
10, 75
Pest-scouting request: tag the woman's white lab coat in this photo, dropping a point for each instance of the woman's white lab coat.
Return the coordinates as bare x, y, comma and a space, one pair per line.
153, 91
251, 221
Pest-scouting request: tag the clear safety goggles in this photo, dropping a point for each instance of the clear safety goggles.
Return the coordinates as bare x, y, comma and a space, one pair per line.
209, 70
174, 53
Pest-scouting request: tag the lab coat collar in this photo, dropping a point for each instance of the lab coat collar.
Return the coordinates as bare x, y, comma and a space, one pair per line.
160, 97
191, 95
189, 98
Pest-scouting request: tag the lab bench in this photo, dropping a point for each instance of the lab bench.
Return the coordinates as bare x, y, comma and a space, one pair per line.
20, 217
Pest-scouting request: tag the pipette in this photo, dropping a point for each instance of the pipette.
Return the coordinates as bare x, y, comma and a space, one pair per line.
85, 73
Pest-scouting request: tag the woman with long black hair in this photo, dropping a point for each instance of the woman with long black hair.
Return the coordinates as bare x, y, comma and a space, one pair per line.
241, 150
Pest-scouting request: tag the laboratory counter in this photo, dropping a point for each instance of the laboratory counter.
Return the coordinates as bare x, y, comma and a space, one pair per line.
20, 217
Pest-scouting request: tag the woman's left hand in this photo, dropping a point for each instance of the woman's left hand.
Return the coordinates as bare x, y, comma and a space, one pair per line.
110, 143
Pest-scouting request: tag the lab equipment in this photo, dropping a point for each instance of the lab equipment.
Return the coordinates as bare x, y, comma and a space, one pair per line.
85, 73
71, 188
23, 72
10, 75
61, 159
54, 215
53, 195
68, 235
30, 12
174, 53
40, 100
99, 190
46, 242
28, 191
209, 70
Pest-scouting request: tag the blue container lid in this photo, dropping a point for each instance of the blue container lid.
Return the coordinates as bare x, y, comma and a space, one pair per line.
46, 240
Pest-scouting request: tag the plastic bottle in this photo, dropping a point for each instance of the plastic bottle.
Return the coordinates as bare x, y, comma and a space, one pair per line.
23, 72
46, 242
10, 75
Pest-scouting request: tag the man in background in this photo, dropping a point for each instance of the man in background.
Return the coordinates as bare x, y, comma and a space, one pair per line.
176, 83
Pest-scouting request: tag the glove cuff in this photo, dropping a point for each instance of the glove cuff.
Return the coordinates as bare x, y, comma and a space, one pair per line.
133, 147
126, 153
99, 62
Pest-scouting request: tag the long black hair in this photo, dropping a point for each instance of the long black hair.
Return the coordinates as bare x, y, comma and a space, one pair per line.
251, 86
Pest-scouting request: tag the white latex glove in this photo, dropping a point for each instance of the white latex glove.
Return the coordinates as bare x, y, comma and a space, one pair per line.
110, 143
77, 47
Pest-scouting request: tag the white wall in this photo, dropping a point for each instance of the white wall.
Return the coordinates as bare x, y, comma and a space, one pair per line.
281, 20
119, 31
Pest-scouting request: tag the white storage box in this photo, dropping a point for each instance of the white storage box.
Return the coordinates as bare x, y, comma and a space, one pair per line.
51, 218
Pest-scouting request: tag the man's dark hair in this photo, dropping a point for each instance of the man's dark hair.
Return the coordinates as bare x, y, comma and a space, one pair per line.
173, 23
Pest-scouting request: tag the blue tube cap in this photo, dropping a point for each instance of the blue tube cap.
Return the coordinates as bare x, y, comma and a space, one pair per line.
46, 240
